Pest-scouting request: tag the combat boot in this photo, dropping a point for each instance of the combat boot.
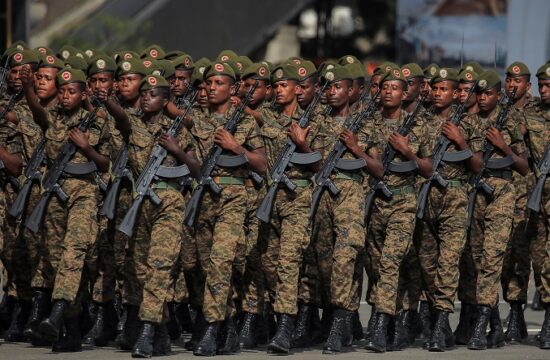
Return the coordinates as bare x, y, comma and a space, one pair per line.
184, 317
412, 325
6, 309
536, 305
143, 348
544, 340
161, 341
247, 335
513, 332
301, 336
207, 345
315, 326
40, 309
400, 336
128, 336
371, 323
426, 318
442, 335
340, 332
280, 344
198, 330
229, 343
70, 340
478, 340
495, 339
20, 315
174, 326
377, 339
104, 327
463, 330
324, 328
357, 327
50, 327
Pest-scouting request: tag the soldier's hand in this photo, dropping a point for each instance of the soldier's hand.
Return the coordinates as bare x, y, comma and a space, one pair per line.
26, 76
452, 132
297, 134
80, 138
495, 137
102, 94
169, 143
235, 100
399, 142
349, 139
227, 142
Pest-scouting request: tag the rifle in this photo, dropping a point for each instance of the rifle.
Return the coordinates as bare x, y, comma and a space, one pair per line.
215, 158
334, 159
440, 155
152, 171
119, 171
61, 165
488, 148
535, 198
288, 155
387, 160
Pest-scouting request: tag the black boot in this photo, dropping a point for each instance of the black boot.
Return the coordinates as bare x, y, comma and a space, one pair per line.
280, 344
270, 322
324, 328
478, 340
208, 343
516, 322
357, 327
104, 328
70, 340
184, 318
128, 336
174, 326
198, 331
400, 336
427, 320
544, 340
340, 332
463, 330
20, 315
377, 339
229, 343
536, 305
495, 339
301, 337
247, 335
40, 309
51, 326
412, 324
442, 336
6, 309
143, 347
371, 323
161, 341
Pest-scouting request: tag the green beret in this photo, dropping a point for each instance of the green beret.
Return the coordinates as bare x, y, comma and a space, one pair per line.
171, 55
467, 76
444, 74
67, 51
153, 81
151, 66
473, 66
412, 70
23, 57
337, 73
348, 59
296, 60
154, 52
543, 72
226, 55
20, 45
168, 68
219, 68
243, 62
268, 64
327, 65
51, 61
198, 72
131, 66
70, 75
517, 68
306, 70
393, 74
183, 62
384, 68
430, 71
44, 50
101, 63
285, 72
488, 80
235, 67
76, 62
92, 53
125, 55
257, 71
356, 70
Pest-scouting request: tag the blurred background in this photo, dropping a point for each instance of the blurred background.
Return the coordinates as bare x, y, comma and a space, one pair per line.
492, 32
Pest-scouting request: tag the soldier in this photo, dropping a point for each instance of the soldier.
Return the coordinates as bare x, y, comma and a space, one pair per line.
493, 215
415, 80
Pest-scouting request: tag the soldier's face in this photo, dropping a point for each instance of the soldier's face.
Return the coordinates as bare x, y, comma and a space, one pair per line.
70, 96
426, 87
374, 85
488, 99
356, 90
180, 82
285, 91
463, 89
413, 90
443, 94
14, 81
128, 86
220, 88
202, 96
544, 91
259, 93
100, 81
521, 82
44, 82
305, 91
392, 93
152, 101
339, 93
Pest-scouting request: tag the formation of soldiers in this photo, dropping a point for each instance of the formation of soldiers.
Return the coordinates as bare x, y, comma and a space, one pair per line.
146, 194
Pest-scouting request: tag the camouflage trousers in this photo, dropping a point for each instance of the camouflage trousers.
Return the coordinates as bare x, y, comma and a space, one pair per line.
389, 239
443, 238
339, 240
156, 247
220, 236
287, 239
489, 238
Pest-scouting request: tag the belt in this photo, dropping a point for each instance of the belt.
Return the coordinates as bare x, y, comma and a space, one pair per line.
349, 176
455, 183
232, 180
166, 185
501, 173
408, 189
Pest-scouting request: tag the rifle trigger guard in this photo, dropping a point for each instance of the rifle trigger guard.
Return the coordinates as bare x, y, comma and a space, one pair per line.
495, 164
305, 158
350, 164
402, 167
78, 169
172, 172
457, 156
231, 161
